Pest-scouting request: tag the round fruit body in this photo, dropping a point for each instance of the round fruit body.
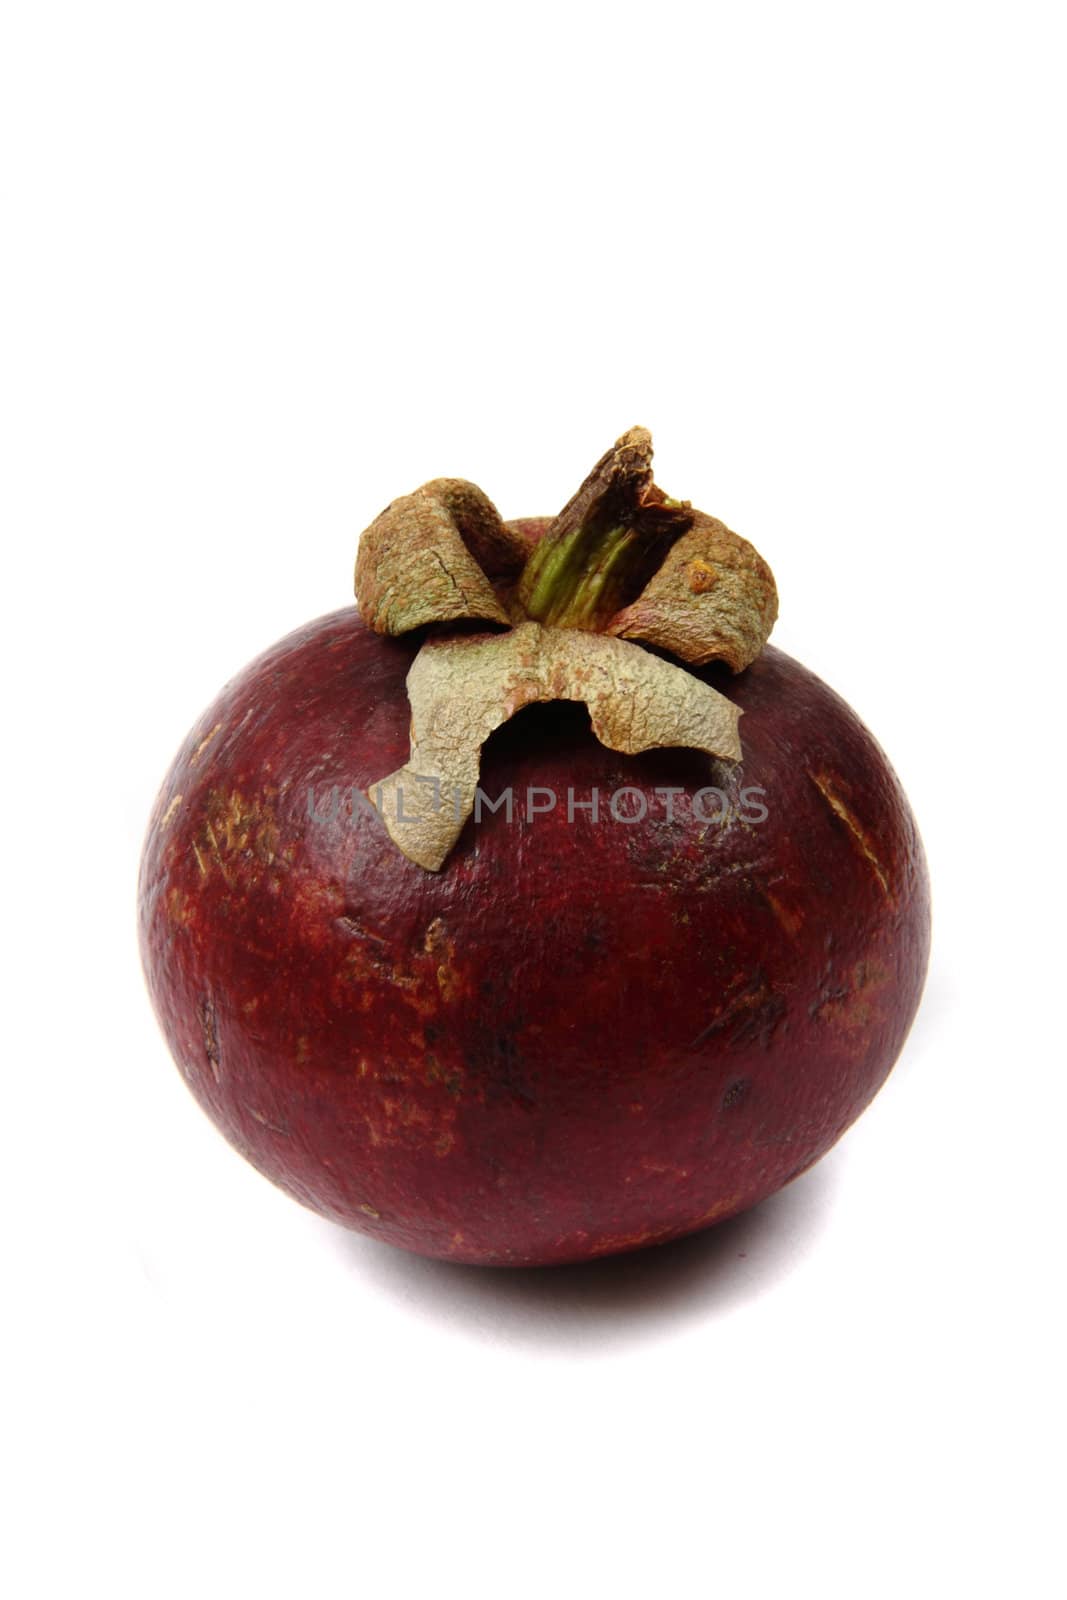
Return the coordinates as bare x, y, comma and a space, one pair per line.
586, 1033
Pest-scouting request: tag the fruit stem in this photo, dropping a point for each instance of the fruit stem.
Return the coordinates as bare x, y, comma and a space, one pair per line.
606, 543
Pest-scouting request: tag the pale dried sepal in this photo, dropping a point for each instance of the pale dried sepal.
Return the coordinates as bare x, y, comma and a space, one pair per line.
459, 690
430, 556
713, 599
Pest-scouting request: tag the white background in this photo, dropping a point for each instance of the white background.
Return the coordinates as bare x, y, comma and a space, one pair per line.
266, 267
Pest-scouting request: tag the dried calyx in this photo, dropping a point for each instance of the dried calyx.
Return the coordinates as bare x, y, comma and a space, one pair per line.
621, 566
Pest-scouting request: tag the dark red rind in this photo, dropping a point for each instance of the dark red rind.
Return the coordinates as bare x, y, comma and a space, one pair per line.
575, 1039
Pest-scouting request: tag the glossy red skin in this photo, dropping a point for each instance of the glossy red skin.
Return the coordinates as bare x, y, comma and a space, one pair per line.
578, 1038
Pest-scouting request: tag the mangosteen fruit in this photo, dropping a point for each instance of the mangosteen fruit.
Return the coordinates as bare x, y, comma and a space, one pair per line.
535, 909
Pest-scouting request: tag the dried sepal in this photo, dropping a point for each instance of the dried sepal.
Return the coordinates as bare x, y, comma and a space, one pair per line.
461, 689
434, 556
712, 599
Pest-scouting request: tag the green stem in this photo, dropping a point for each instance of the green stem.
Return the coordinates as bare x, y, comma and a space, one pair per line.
580, 579
605, 544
